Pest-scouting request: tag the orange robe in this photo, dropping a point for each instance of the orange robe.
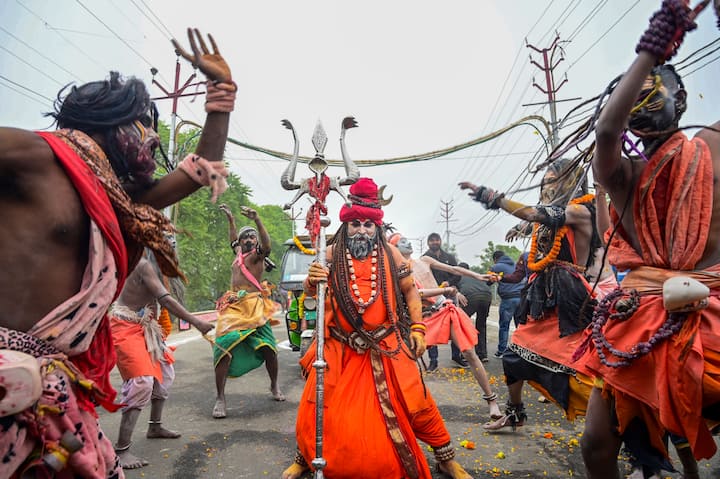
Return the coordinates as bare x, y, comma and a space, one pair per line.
668, 387
375, 406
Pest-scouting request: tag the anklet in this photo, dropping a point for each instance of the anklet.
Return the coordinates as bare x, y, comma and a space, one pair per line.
154, 422
490, 397
123, 448
444, 453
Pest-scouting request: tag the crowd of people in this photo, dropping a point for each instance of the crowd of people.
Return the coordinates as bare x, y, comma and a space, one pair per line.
639, 359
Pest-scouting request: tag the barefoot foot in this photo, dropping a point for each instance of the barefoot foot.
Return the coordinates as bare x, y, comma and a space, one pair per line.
294, 471
156, 431
129, 461
453, 469
277, 394
495, 412
219, 410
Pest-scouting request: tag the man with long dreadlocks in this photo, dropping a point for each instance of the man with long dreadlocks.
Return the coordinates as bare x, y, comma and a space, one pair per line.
655, 343
376, 406
78, 206
557, 304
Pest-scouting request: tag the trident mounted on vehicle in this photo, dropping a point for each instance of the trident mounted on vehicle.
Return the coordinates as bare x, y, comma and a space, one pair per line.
318, 187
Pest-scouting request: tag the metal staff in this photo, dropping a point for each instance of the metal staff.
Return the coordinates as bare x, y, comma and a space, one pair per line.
318, 187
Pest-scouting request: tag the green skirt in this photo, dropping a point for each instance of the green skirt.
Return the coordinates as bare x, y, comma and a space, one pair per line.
245, 348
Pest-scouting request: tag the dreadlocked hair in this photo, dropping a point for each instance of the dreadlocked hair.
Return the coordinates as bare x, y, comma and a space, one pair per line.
341, 274
100, 107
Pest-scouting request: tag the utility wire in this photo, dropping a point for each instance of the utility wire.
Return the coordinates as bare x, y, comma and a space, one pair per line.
22, 42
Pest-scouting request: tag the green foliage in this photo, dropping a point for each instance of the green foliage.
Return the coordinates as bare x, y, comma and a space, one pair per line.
203, 240
486, 257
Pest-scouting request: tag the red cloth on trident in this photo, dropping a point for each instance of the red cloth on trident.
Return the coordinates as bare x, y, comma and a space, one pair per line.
319, 191
364, 203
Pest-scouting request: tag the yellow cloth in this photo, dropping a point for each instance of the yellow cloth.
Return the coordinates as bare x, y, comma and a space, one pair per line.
238, 311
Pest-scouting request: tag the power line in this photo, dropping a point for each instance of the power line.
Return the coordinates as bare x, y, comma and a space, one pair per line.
603, 35
21, 41
20, 92
48, 25
26, 88
31, 66
151, 20
157, 18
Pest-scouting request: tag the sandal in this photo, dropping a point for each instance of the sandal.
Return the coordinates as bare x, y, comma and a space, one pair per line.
514, 417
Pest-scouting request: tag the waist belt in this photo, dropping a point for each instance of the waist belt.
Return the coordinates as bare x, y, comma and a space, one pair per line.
363, 340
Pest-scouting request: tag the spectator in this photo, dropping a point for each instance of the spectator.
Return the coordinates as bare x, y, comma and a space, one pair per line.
479, 297
509, 298
435, 251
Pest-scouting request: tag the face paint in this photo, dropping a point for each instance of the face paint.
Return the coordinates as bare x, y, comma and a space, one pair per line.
404, 246
137, 143
655, 109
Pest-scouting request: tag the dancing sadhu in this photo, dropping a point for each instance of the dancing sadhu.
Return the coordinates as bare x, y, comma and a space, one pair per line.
244, 335
655, 343
557, 306
444, 320
77, 207
376, 407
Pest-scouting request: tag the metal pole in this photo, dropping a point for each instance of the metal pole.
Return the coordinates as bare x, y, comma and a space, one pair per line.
320, 462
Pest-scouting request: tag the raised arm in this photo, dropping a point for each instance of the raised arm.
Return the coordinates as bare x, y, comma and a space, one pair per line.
151, 281
609, 169
549, 215
232, 227
440, 266
219, 103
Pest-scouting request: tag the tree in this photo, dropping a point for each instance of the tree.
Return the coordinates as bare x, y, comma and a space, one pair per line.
203, 246
486, 257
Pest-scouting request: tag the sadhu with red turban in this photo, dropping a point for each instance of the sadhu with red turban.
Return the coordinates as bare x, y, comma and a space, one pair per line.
365, 203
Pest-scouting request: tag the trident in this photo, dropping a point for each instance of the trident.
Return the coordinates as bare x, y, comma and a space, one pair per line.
318, 187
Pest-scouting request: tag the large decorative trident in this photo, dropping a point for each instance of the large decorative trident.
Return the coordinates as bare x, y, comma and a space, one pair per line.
318, 187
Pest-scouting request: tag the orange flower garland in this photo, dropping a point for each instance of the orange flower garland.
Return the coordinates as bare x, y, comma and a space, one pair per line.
557, 243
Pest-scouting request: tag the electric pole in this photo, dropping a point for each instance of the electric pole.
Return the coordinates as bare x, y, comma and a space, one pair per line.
446, 213
548, 66
177, 93
294, 217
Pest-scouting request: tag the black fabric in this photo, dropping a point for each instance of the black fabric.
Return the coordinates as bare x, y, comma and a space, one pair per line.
562, 288
518, 369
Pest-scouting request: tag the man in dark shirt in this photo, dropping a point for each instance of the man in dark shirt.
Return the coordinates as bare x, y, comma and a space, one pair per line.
435, 251
509, 298
479, 297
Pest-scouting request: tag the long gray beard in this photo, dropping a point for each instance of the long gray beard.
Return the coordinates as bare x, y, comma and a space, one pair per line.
360, 245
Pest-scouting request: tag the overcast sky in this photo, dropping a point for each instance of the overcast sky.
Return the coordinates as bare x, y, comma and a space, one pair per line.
418, 75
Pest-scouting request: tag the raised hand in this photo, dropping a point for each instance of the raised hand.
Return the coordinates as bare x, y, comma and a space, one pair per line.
226, 209
213, 65
248, 212
466, 185
487, 196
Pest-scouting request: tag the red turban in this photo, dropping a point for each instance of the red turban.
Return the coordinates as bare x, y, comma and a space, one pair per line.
365, 205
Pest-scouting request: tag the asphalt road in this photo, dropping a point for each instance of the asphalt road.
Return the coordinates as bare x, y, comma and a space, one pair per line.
257, 440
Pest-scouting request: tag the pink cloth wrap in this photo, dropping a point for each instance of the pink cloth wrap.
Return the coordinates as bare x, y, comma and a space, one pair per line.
65, 331
220, 97
441, 321
206, 173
